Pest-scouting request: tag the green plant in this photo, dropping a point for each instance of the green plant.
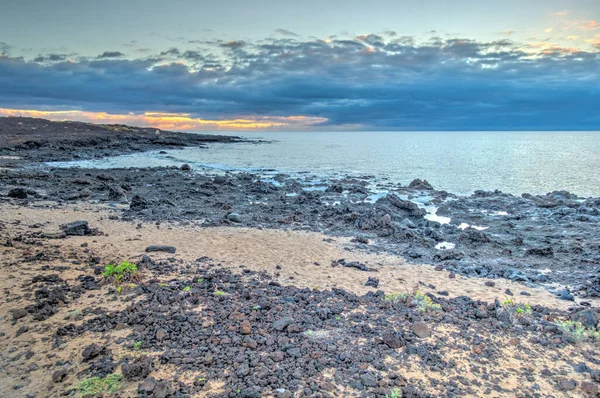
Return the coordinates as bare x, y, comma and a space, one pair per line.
187, 289
220, 293
395, 393
256, 307
97, 385
162, 284
422, 301
200, 280
518, 308
577, 331
76, 313
337, 317
393, 297
309, 333
125, 271
137, 345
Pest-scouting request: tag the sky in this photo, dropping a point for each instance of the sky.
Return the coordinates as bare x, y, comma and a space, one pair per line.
305, 65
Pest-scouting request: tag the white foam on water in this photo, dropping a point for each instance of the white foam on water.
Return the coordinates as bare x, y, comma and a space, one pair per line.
445, 246
433, 216
464, 226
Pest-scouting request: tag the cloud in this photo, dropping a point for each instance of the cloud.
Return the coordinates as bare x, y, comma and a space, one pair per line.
285, 32
4, 47
51, 58
111, 54
234, 44
371, 81
561, 13
174, 52
548, 30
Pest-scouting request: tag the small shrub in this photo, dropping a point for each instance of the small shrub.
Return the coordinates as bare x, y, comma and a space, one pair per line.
125, 271
137, 345
395, 393
187, 289
422, 301
220, 293
76, 313
96, 385
516, 309
577, 331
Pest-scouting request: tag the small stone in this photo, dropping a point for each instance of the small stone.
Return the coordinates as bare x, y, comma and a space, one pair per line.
393, 340
161, 334
234, 217
147, 385
91, 351
421, 330
76, 228
59, 376
246, 327
186, 167
282, 323
22, 329
277, 356
19, 313
368, 380
589, 387
568, 384
490, 283
372, 281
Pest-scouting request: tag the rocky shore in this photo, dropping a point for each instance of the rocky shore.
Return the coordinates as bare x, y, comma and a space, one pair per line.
338, 287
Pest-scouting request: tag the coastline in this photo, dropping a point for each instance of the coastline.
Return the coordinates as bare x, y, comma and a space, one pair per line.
279, 244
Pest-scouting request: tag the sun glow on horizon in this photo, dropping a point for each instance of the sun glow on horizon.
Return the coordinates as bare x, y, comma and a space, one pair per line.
172, 121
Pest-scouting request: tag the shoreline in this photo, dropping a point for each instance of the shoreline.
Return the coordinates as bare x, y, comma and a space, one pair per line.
267, 288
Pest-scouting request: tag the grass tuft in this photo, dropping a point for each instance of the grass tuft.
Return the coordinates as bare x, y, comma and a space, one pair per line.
96, 385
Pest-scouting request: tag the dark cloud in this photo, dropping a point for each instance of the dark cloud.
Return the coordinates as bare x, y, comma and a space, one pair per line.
193, 56
173, 52
234, 44
394, 83
51, 58
286, 32
111, 54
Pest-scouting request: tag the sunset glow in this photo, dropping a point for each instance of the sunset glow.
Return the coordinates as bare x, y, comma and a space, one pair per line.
171, 121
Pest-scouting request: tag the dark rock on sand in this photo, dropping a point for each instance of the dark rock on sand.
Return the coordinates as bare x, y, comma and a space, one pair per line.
161, 248
372, 282
138, 369
17, 193
77, 228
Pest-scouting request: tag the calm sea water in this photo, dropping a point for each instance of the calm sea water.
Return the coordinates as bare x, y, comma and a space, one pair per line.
459, 162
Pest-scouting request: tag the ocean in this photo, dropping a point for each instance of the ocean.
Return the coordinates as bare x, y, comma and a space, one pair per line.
459, 162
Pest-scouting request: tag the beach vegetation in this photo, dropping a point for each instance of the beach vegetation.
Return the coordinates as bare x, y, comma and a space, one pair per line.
422, 301
220, 293
395, 393
118, 273
137, 345
94, 386
577, 330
